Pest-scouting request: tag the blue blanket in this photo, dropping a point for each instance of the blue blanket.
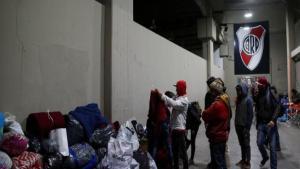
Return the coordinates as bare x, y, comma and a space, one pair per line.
1, 124
90, 117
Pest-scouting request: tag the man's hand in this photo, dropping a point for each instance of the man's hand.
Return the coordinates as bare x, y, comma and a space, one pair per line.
271, 124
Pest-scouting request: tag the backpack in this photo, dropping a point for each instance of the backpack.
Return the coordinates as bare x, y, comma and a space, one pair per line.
193, 115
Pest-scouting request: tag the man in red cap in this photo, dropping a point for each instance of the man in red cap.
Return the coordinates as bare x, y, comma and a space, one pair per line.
179, 105
266, 115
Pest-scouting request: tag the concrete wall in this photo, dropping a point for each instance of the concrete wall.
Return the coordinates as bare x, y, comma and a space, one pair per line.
275, 14
297, 43
143, 60
50, 55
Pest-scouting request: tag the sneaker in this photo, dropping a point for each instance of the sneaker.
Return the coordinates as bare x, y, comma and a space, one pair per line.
240, 163
263, 162
246, 165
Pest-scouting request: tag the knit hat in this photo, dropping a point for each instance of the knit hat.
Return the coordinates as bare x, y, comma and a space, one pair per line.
217, 85
181, 87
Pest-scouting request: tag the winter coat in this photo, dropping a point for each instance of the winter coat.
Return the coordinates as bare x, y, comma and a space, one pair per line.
266, 106
216, 118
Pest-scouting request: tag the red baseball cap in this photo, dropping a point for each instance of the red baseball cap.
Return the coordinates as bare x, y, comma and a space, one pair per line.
181, 86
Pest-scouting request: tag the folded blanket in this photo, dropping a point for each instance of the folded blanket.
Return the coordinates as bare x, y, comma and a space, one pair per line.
40, 124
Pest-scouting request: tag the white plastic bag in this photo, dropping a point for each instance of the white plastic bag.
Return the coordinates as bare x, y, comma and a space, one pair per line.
120, 149
11, 124
60, 136
152, 163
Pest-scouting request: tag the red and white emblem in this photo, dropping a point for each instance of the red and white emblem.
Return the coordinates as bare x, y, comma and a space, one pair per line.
251, 45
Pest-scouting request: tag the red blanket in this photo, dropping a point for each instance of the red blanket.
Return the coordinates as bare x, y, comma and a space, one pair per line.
40, 124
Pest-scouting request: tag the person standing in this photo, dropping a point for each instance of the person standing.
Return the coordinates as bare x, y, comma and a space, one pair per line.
275, 94
209, 97
295, 96
216, 118
179, 105
192, 124
243, 121
266, 116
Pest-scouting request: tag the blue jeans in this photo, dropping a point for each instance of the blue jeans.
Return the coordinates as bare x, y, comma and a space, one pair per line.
218, 160
265, 133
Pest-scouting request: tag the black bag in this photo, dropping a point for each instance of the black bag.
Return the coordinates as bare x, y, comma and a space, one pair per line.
193, 119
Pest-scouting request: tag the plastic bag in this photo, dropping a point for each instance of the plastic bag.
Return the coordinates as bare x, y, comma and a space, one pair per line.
75, 131
128, 134
34, 145
100, 137
101, 153
60, 136
142, 158
49, 146
11, 125
152, 163
53, 161
5, 161
81, 154
68, 163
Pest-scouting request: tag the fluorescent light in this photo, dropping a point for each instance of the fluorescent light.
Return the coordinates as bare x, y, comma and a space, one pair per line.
248, 15
246, 28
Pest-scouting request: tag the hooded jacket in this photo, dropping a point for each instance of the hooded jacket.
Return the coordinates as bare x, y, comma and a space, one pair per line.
179, 111
266, 106
216, 118
244, 108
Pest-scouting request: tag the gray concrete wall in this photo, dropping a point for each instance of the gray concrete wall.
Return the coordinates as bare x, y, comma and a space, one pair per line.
275, 14
297, 43
50, 55
143, 60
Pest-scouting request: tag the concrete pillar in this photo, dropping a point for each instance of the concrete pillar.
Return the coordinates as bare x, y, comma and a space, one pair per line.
208, 54
108, 59
290, 46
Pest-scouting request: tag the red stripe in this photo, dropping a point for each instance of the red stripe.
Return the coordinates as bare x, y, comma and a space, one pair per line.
246, 58
257, 31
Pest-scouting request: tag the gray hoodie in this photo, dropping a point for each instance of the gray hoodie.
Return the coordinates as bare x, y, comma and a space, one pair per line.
244, 108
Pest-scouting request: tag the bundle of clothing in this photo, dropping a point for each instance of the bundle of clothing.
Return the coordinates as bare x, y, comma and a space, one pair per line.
14, 146
158, 131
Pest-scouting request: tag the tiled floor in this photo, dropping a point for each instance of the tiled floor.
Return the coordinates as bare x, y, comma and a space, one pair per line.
288, 158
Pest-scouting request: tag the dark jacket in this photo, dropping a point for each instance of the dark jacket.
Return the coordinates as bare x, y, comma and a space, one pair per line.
209, 99
296, 98
193, 116
216, 118
244, 108
266, 106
